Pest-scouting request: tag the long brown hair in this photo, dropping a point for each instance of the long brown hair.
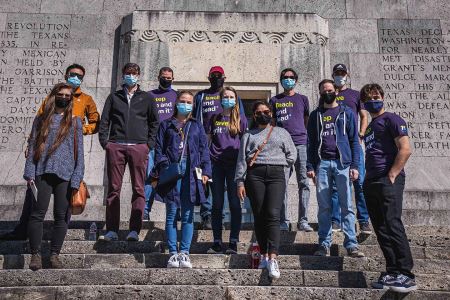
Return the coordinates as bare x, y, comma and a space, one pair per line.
235, 120
45, 120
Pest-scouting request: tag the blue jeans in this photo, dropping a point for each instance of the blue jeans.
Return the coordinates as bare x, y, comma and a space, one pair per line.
148, 189
187, 218
361, 209
220, 175
303, 188
206, 207
328, 173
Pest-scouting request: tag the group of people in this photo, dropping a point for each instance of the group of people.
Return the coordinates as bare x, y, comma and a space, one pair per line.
179, 146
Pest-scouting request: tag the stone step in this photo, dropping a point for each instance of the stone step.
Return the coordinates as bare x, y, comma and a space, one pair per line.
220, 277
221, 261
88, 247
120, 292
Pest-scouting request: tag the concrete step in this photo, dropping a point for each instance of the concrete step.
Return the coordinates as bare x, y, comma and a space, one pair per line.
220, 277
120, 292
88, 247
221, 261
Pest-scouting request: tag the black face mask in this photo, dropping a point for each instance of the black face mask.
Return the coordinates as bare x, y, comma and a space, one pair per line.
263, 119
328, 98
61, 102
164, 83
216, 83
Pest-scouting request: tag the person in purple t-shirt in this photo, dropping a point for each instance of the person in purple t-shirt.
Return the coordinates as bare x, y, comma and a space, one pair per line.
164, 97
225, 131
291, 111
387, 151
350, 97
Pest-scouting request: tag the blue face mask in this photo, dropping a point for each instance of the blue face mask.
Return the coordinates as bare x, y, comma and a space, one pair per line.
288, 83
184, 108
374, 106
228, 102
74, 81
130, 80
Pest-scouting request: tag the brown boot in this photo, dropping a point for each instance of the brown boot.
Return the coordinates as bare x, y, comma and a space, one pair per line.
36, 262
55, 263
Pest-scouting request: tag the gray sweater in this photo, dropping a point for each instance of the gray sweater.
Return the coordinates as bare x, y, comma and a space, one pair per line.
279, 150
62, 161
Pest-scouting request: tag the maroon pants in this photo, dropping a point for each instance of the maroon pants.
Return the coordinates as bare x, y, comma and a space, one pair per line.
117, 157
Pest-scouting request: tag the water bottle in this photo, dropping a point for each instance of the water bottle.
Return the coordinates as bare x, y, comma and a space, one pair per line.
93, 232
255, 253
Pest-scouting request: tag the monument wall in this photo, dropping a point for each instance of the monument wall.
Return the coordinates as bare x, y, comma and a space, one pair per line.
401, 44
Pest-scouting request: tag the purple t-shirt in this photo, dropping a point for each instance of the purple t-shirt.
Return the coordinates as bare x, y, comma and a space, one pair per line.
224, 148
210, 106
380, 144
290, 112
165, 102
329, 148
351, 98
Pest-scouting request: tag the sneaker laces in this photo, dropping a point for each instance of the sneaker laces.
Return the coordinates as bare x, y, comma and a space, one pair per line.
173, 258
183, 257
402, 278
274, 264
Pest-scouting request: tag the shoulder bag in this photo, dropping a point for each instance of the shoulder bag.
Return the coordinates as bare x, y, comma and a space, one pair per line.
251, 162
80, 196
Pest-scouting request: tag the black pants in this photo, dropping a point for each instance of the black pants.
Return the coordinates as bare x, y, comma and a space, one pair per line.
47, 185
265, 186
384, 203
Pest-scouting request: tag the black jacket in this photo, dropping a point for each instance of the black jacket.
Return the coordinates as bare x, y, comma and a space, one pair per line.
134, 123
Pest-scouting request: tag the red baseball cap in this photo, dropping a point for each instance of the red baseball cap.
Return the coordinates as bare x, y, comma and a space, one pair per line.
217, 69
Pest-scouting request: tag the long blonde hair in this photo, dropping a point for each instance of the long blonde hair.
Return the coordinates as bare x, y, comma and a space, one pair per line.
235, 120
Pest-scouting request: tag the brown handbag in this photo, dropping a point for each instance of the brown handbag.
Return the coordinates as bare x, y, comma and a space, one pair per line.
80, 196
260, 147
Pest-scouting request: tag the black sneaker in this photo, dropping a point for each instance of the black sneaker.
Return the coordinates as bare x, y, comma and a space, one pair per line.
215, 249
335, 227
206, 223
403, 284
322, 251
384, 282
232, 248
365, 228
354, 252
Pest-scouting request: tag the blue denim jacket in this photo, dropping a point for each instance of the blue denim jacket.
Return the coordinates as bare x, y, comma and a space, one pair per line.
347, 139
167, 151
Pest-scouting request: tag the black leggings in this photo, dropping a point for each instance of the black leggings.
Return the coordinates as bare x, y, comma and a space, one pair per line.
47, 185
265, 186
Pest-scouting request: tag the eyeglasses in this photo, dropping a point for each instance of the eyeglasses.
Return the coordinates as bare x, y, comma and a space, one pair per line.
65, 96
289, 77
260, 112
72, 74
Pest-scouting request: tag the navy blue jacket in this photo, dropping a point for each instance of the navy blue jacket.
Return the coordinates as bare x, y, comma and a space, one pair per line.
347, 139
167, 151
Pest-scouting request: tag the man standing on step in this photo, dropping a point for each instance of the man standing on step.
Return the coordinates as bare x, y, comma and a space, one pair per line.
83, 107
164, 97
333, 154
127, 132
291, 111
350, 97
387, 151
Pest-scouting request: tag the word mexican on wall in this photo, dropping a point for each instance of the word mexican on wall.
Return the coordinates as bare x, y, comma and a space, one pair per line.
415, 70
33, 51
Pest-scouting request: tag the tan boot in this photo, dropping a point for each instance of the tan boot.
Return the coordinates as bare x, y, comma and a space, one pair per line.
55, 262
36, 262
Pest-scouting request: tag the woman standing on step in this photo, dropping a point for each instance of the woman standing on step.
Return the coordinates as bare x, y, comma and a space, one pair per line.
225, 131
181, 140
264, 153
52, 169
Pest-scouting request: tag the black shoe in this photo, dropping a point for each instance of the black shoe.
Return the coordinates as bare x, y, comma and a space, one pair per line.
403, 284
206, 223
384, 282
354, 252
232, 248
365, 228
36, 262
215, 249
55, 262
12, 236
335, 227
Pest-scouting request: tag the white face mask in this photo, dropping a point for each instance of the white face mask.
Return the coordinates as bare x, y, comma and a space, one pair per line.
340, 80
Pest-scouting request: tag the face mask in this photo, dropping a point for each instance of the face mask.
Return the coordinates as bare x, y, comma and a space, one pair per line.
184, 108
228, 102
61, 102
164, 83
216, 83
374, 106
74, 81
327, 98
288, 83
263, 119
130, 80
340, 80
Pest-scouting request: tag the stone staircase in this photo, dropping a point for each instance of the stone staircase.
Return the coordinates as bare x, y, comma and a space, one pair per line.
136, 270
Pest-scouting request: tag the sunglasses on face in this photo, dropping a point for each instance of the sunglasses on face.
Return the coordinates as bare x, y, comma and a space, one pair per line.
71, 74
289, 77
65, 96
266, 112
218, 75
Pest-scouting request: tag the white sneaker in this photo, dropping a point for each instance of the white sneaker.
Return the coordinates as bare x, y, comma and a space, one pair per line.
272, 267
109, 236
173, 261
133, 236
184, 260
263, 263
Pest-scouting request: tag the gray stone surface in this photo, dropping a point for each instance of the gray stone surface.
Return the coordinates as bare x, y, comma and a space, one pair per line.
390, 9
363, 31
